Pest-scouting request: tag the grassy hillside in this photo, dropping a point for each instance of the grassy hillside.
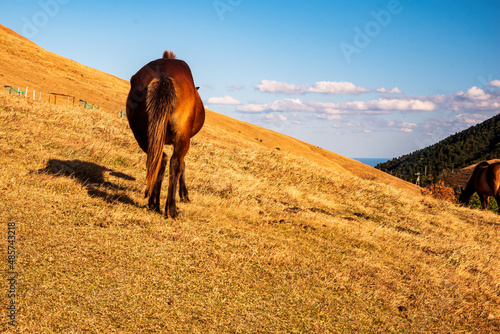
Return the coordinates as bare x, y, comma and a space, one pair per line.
271, 243
275, 241
477, 143
25, 64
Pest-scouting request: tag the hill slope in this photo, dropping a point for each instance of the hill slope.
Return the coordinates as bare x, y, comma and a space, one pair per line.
290, 240
26, 64
468, 147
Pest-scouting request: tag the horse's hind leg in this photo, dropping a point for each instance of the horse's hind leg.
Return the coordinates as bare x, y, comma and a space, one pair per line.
497, 198
183, 192
176, 162
154, 199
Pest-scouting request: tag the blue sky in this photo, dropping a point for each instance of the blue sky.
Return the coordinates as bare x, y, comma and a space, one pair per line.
359, 78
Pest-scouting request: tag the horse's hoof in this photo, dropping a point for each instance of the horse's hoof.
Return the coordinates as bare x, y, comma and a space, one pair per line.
185, 200
171, 215
154, 208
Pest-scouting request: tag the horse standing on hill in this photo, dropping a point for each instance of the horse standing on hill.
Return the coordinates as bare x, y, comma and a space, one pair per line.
164, 107
485, 180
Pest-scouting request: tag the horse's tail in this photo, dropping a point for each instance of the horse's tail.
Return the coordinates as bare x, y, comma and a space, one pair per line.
160, 103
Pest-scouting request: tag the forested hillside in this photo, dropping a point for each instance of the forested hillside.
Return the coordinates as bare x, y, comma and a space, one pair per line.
477, 143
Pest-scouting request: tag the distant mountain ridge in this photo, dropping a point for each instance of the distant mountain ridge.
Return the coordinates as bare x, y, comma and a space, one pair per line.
465, 148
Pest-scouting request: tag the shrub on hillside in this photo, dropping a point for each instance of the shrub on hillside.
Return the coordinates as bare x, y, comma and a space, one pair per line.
440, 191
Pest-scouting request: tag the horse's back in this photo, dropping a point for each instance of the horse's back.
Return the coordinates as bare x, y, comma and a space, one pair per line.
176, 69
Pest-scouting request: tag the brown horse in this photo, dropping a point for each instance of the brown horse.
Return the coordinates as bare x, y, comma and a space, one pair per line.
485, 180
164, 107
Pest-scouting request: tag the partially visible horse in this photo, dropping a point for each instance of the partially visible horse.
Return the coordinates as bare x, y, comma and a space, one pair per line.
164, 107
485, 180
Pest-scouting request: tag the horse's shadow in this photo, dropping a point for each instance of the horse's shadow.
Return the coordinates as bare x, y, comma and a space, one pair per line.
92, 177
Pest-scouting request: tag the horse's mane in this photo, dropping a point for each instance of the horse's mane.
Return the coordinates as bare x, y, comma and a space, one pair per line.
168, 55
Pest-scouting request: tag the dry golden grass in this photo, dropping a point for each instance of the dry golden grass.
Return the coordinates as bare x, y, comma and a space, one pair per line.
271, 243
295, 240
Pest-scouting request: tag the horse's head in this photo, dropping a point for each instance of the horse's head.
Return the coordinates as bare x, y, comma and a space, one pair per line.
463, 198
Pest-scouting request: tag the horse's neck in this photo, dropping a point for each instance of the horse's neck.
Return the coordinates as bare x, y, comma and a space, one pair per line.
470, 189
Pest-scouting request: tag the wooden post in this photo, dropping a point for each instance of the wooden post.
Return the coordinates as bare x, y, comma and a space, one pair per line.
26, 93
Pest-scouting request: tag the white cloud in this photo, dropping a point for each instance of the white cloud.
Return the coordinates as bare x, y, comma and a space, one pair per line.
270, 86
290, 105
322, 87
336, 88
476, 93
473, 105
222, 100
395, 90
401, 104
474, 99
407, 127
285, 105
470, 119
380, 106
252, 108
494, 83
